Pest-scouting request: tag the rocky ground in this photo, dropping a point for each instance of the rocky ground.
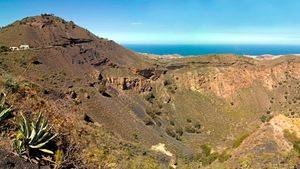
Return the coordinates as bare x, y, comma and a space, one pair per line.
9, 160
110, 106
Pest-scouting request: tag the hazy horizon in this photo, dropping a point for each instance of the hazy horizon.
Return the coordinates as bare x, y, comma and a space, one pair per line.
173, 21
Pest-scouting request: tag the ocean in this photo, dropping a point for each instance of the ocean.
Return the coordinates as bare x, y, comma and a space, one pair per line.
186, 50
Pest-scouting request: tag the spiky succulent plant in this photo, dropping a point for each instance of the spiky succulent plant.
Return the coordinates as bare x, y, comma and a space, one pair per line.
4, 111
33, 136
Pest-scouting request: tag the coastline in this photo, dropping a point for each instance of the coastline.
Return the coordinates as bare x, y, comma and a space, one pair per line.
178, 56
186, 50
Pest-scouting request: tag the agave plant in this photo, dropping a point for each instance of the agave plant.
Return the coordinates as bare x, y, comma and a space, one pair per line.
33, 136
4, 111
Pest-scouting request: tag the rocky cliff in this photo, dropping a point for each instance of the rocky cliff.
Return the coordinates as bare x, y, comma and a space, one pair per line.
111, 105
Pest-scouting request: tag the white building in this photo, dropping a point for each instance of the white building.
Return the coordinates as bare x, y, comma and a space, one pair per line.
24, 47
13, 48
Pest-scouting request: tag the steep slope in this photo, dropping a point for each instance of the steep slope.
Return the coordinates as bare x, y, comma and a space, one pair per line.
69, 63
48, 32
274, 141
93, 84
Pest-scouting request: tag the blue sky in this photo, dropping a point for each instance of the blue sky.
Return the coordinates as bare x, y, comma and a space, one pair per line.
172, 21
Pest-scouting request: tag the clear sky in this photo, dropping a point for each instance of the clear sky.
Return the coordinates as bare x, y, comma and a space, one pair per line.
172, 21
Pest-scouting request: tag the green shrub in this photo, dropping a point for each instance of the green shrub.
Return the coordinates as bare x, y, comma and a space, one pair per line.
207, 160
296, 146
33, 137
170, 132
179, 131
59, 158
197, 125
4, 49
167, 82
11, 85
148, 121
150, 97
4, 110
207, 156
266, 118
190, 129
172, 123
239, 140
206, 149
135, 136
102, 88
153, 112
224, 156
292, 137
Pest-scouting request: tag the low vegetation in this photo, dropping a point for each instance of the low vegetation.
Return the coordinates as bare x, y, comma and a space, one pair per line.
5, 111
112, 122
207, 156
239, 140
33, 137
292, 137
4, 49
11, 85
266, 118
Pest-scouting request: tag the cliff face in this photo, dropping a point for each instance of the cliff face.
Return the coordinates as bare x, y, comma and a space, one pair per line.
95, 84
226, 81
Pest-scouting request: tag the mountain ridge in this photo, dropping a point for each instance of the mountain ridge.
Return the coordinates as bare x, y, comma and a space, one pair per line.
104, 95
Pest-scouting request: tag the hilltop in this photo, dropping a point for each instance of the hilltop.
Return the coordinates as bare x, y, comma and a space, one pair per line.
51, 32
111, 105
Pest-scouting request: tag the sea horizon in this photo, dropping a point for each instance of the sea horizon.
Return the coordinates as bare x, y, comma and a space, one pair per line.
206, 49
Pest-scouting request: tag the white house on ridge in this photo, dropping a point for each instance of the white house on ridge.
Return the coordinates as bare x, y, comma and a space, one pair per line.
24, 47
13, 48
